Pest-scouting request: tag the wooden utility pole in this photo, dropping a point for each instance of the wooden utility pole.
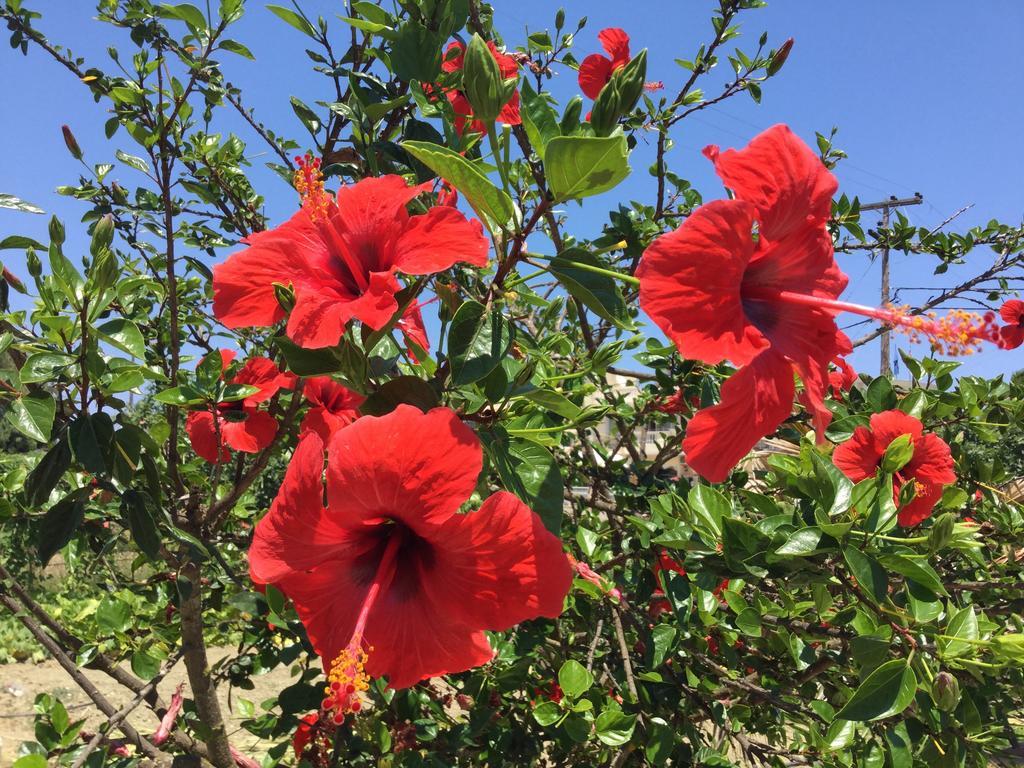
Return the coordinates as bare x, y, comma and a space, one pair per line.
886, 206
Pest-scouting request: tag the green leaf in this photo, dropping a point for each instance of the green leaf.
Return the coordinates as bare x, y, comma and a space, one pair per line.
19, 242
574, 679
183, 395
187, 13
598, 293
710, 506
916, 570
539, 118
294, 19
91, 439
416, 53
308, 362
10, 201
801, 543
138, 514
581, 166
492, 205
114, 615
555, 402
234, 46
869, 574
963, 625
125, 335
530, 472
614, 727
60, 523
887, 691
47, 473
145, 664
546, 713
897, 454
477, 342
663, 636
135, 162
748, 621
45, 366
32, 415
401, 389
30, 761
234, 392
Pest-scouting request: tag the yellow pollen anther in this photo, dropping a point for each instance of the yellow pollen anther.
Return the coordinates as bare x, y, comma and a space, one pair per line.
309, 183
346, 681
957, 333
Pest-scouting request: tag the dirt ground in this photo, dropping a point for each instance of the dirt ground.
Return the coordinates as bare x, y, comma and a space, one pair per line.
21, 683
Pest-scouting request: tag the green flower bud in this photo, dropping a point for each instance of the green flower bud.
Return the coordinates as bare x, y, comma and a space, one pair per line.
56, 231
69, 141
899, 452
118, 194
946, 691
285, 296
607, 108
102, 234
35, 266
942, 532
482, 82
631, 81
560, 18
571, 118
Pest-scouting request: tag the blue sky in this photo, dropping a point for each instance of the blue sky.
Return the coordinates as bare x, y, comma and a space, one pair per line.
922, 93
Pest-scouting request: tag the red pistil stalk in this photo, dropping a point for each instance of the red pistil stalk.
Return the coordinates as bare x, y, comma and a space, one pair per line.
347, 677
958, 333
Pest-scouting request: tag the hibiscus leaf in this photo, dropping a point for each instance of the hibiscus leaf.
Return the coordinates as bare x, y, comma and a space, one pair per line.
596, 292
530, 472
539, 118
492, 205
416, 52
614, 727
574, 679
125, 335
401, 389
60, 523
869, 574
10, 201
136, 509
47, 473
581, 166
33, 416
91, 438
294, 19
887, 691
916, 570
477, 343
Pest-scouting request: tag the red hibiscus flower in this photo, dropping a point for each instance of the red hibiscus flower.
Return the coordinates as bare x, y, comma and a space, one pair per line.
713, 288
666, 562
239, 425
304, 733
340, 257
659, 604
448, 195
1011, 335
841, 379
389, 579
412, 328
677, 403
596, 70
929, 469
332, 406
585, 572
508, 67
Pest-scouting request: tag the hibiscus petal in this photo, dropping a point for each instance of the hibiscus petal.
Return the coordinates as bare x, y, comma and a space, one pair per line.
243, 285
510, 114
1011, 336
454, 55
858, 457
203, 436
408, 465
888, 425
372, 212
437, 240
297, 533
615, 42
780, 175
690, 283
921, 506
261, 372
755, 401
1012, 312
252, 434
318, 319
501, 566
932, 462
595, 72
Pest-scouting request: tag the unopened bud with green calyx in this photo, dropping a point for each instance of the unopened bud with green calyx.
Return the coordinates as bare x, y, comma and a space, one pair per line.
56, 231
71, 143
102, 234
571, 118
285, 296
946, 691
560, 18
942, 532
118, 194
35, 266
779, 57
899, 452
104, 272
482, 82
632, 79
607, 108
